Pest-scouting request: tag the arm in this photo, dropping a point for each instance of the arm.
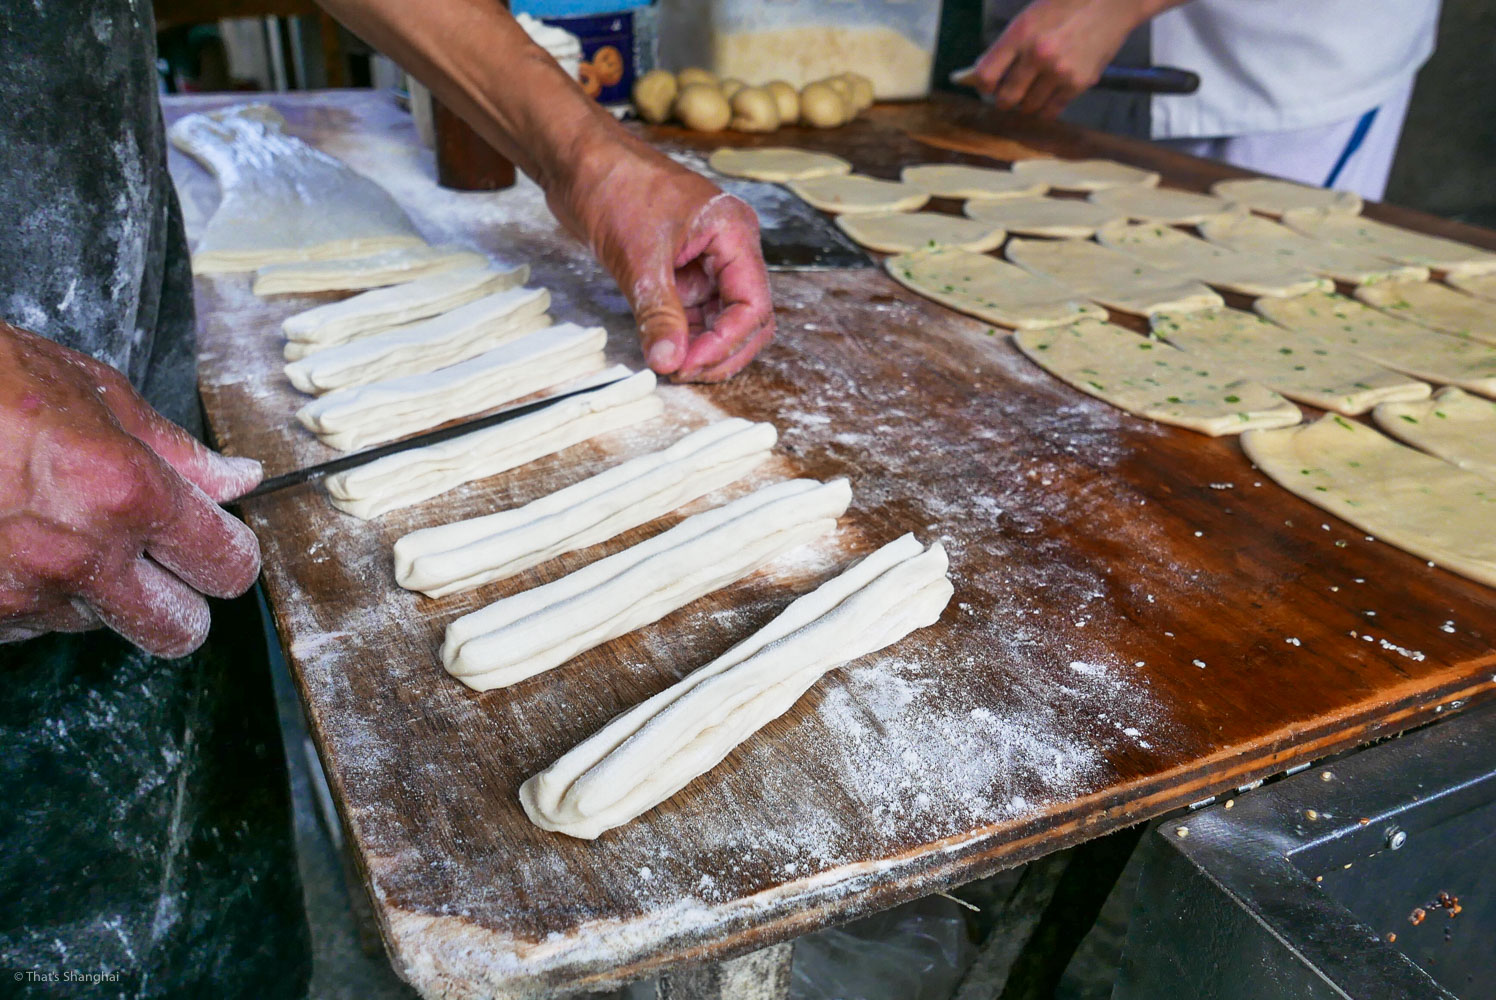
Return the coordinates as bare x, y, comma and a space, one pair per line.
686, 255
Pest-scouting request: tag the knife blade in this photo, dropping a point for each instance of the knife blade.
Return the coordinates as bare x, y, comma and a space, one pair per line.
1138, 79
795, 236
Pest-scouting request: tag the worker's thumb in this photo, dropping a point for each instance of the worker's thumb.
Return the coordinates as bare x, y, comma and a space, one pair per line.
664, 333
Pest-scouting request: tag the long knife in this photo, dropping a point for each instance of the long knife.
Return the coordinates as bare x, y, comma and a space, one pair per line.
1144, 79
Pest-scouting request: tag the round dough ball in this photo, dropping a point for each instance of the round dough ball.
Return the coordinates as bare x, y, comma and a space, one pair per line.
731, 85
786, 99
754, 110
843, 89
695, 74
822, 106
702, 107
862, 90
654, 93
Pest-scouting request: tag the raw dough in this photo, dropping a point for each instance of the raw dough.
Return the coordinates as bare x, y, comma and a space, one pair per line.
647, 754
856, 193
1169, 249
282, 200
467, 554
1454, 425
1398, 494
1114, 279
701, 106
754, 110
989, 289
1166, 205
1083, 175
1274, 197
654, 95
1391, 242
1303, 368
348, 419
901, 232
409, 477
463, 333
1044, 216
787, 99
695, 74
390, 267
535, 630
776, 163
1387, 340
1243, 231
953, 180
1480, 285
822, 105
1151, 379
1434, 306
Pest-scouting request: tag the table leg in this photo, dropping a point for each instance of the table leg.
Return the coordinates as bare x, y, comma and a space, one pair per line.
760, 975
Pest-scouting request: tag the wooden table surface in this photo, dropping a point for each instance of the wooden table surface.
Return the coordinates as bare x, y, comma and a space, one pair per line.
1140, 619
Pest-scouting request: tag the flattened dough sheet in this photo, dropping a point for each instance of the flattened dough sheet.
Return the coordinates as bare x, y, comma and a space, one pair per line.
990, 289
1083, 175
1114, 279
1252, 233
1391, 242
1435, 306
1062, 217
776, 163
1168, 249
1274, 197
856, 193
1164, 205
389, 267
955, 180
1454, 425
903, 232
1482, 286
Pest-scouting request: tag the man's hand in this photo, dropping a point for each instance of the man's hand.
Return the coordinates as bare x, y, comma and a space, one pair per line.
108, 512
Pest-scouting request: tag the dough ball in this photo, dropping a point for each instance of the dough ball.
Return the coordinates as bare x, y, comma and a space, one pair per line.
822, 106
843, 90
654, 93
862, 91
695, 74
754, 110
731, 85
702, 107
786, 99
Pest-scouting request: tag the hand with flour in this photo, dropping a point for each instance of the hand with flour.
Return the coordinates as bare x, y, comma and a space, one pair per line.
108, 512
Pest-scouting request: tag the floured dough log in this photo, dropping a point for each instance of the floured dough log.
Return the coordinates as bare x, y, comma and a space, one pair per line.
1253, 234
1083, 175
1391, 242
1164, 205
856, 193
463, 333
282, 200
1274, 197
1114, 279
409, 477
1387, 340
777, 163
536, 630
467, 554
1303, 368
1062, 217
647, 754
348, 419
1168, 249
390, 267
990, 289
954, 180
1434, 306
1410, 500
902, 232
1454, 425
1151, 379
1480, 285
339, 322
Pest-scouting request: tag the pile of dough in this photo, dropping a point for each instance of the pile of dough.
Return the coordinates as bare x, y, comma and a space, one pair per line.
647, 754
1062, 217
1114, 279
1454, 425
856, 193
348, 419
1392, 242
776, 163
1169, 249
1249, 233
1083, 175
417, 474
1165, 205
1403, 497
1387, 340
989, 289
954, 180
1274, 197
463, 333
391, 267
339, 322
1480, 285
282, 200
541, 628
467, 554
1151, 379
1301, 367
1434, 306
902, 232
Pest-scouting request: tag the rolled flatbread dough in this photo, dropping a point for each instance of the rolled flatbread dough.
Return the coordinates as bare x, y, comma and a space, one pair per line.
1169, 249
1274, 197
389, 267
954, 180
777, 163
989, 289
1062, 217
1391, 242
1437, 307
1254, 234
1083, 175
1480, 285
1165, 205
1454, 425
856, 193
902, 232
1114, 279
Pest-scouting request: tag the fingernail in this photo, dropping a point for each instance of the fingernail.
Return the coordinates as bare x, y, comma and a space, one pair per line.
662, 355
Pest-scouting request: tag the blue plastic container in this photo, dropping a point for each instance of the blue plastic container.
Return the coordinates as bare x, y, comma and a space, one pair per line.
619, 40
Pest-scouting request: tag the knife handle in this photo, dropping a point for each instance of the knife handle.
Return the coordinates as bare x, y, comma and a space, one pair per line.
1149, 79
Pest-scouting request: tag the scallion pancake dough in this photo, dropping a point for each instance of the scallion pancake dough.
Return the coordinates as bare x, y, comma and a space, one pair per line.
1437, 307
389, 267
1482, 286
1083, 175
1303, 368
1454, 425
955, 180
1274, 197
1392, 242
902, 232
652, 751
1165, 205
856, 193
1149, 378
1397, 494
1169, 249
1387, 340
777, 163
1061, 217
1114, 279
990, 289
1249, 233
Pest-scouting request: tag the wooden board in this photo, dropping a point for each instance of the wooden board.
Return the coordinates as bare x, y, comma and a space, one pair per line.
1140, 620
